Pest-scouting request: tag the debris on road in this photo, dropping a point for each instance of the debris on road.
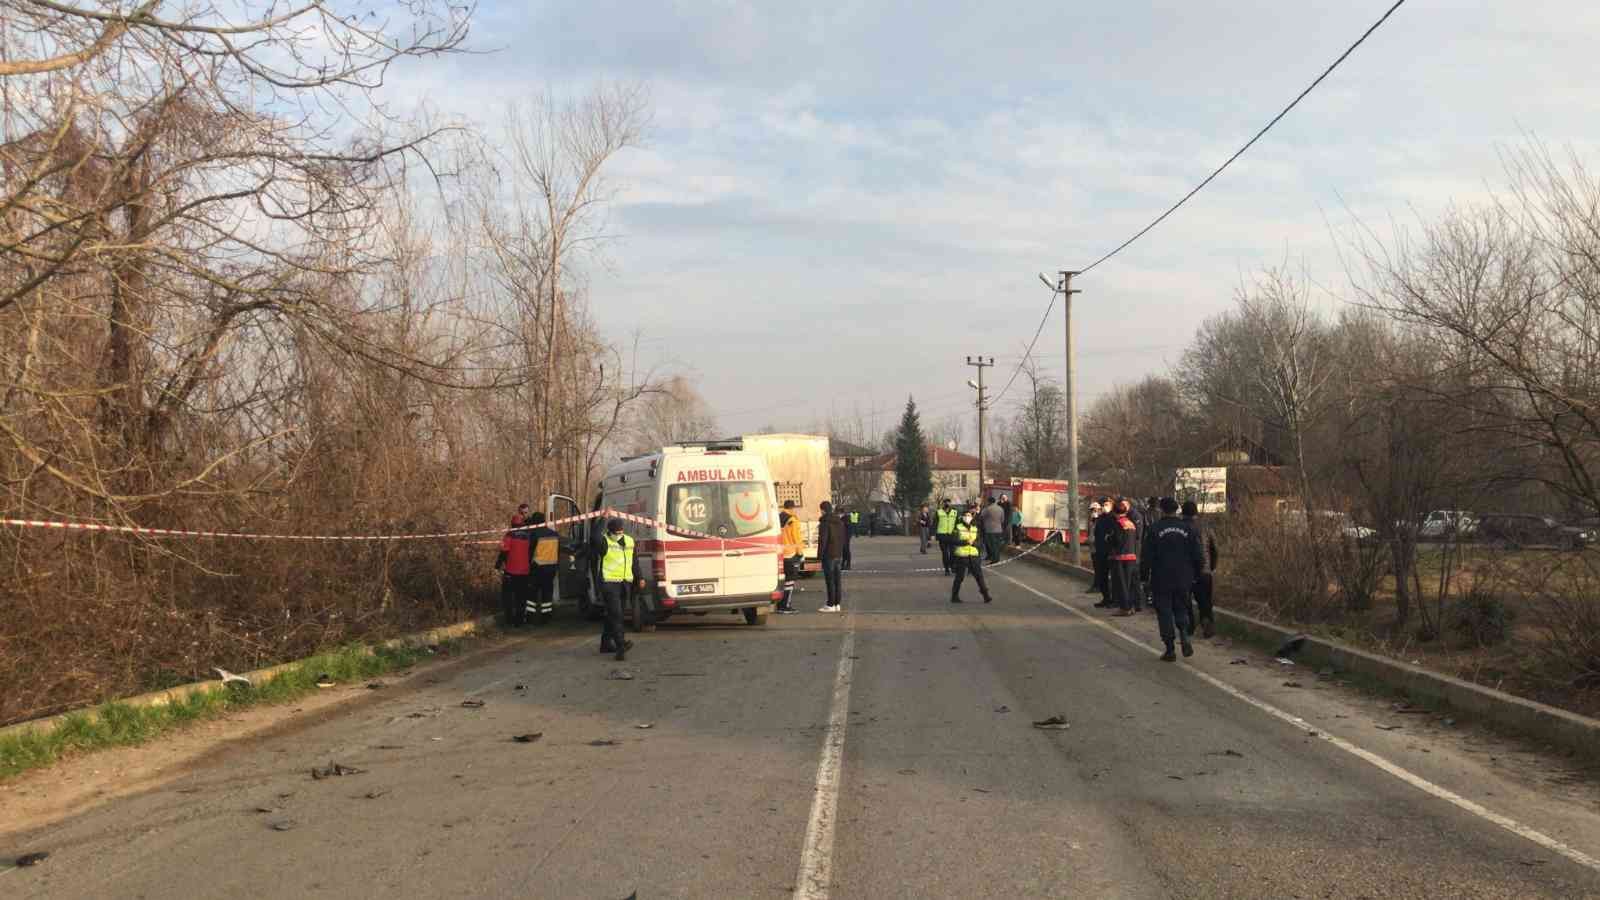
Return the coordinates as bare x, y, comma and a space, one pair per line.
472, 704
908, 771
620, 675
1408, 709
1390, 727
1054, 723
266, 809
324, 681
1176, 777
285, 825
645, 725
1238, 661
1292, 684
604, 743
1293, 645
230, 678
388, 747
1284, 662
1002, 709
31, 859
1228, 752
982, 791
376, 685
373, 795
520, 687
527, 738
335, 770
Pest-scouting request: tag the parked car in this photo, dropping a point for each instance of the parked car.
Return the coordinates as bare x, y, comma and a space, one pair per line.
1331, 521
1514, 531
1448, 524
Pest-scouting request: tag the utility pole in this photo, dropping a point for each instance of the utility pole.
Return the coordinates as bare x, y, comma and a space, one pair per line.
983, 407
1076, 503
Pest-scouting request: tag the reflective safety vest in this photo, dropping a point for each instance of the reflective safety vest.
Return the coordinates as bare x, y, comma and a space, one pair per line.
966, 540
617, 566
947, 522
855, 518
547, 552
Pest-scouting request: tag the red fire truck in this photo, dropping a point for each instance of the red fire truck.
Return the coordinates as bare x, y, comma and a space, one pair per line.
1043, 503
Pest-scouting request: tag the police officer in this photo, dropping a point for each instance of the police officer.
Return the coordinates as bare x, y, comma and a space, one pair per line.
546, 563
1173, 560
1206, 582
944, 532
968, 559
619, 570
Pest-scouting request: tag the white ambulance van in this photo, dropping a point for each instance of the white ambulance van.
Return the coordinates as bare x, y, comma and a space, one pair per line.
715, 546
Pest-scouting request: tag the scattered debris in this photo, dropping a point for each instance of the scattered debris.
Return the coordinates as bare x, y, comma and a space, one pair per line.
285, 825
335, 770
527, 738
324, 681
1228, 752
520, 687
1293, 645
373, 795
472, 704
1390, 727
1238, 661
1408, 709
604, 743
32, 859
1054, 723
954, 647
230, 678
1292, 684
620, 675
1449, 721
376, 685
1176, 777
266, 809
908, 771
645, 725
1284, 662
389, 747
1002, 709
1312, 734
982, 791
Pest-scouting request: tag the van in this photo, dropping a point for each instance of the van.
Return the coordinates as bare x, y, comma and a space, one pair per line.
712, 546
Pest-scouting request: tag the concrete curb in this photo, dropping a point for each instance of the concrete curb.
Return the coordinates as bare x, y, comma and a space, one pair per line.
259, 676
1498, 710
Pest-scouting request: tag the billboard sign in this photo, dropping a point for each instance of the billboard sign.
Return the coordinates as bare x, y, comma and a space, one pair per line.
1207, 487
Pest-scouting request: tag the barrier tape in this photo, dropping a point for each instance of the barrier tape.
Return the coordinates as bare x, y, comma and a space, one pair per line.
1007, 561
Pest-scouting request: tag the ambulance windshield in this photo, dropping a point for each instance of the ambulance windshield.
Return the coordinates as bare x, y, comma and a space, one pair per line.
721, 508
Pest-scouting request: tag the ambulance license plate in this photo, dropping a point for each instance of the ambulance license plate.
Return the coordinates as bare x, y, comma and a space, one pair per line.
690, 588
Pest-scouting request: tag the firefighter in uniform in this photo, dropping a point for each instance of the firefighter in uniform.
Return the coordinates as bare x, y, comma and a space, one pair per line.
945, 533
968, 559
546, 563
620, 572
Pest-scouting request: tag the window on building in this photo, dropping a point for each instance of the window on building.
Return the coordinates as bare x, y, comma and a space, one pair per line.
963, 479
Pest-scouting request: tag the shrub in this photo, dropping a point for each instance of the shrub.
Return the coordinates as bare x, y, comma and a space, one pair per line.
1480, 618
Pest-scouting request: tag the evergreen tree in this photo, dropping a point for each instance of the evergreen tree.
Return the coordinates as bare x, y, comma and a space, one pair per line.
913, 480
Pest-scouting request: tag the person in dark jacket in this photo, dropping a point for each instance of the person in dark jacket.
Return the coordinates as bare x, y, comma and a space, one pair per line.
833, 536
1105, 533
925, 527
851, 521
1123, 560
513, 564
546, 544
1096, 560
1173, 559
1206, 582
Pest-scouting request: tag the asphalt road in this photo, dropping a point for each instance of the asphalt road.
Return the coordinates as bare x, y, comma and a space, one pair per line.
932, 781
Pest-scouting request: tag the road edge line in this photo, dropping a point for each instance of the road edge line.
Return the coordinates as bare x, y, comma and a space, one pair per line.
816, 857
1367, 756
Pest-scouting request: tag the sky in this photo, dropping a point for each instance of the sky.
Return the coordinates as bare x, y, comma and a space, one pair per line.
836, 204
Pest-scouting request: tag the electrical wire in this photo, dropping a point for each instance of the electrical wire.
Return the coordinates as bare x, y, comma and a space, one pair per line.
1055, 292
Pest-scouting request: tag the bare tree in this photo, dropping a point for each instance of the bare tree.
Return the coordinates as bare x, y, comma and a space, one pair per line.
673, 412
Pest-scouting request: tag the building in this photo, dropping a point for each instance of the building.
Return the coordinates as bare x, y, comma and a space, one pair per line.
846, 455
955, 475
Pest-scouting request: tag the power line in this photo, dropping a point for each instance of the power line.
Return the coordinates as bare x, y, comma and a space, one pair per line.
1248, 144
1054, 293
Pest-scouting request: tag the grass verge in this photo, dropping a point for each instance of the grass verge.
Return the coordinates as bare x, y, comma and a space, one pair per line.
117, 724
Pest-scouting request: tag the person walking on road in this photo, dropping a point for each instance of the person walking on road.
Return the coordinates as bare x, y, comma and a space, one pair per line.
994, 529
832, 538
1205, 583
1123, 556
514, 564
968, 558
621, 571
1173, 560
546, 564
945, 533
925, 527
794, 554
851, 520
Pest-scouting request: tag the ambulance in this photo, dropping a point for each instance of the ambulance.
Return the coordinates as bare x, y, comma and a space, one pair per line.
712, 545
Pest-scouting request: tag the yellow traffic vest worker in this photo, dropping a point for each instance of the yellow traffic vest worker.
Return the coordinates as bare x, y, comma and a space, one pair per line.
794, 554
944, 532
619, 570
966, 559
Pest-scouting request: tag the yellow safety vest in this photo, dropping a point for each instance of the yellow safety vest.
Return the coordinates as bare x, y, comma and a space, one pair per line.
947, 522
966, 540
618, 563
547, 552
855, 518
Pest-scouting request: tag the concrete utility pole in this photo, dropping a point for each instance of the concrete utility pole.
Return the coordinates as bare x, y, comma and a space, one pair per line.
983, 407
1076, 503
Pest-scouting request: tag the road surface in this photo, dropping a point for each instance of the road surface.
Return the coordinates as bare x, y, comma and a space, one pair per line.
886, 752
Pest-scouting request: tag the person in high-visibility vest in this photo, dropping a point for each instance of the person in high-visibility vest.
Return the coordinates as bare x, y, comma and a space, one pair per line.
546, 564
968, 559
945, 532
619, 570
794, 553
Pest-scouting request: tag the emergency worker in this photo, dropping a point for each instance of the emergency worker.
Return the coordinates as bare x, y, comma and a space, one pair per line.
621, 572
794, 554
968, 559
1123, 558
513, 564
1103, 536
546, 563
1173, 560
945, 532
1095, 562
925, 527
1206, 582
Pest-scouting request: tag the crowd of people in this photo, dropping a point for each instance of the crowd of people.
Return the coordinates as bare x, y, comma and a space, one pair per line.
1160, 558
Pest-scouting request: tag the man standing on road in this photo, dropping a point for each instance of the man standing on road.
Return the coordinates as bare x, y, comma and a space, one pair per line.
994, 529
1097, 555
1206, 581
925, 527
1173, 560
546, 563
513, 565
832, 538
620, 569
945, 531
1005, 511
851, 520
794, 554
967, 558
1123, 559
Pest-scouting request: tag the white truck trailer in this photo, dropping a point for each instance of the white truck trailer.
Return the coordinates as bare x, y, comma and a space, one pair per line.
802, 471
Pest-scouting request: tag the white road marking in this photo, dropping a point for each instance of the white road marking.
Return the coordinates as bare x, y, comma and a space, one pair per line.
816, 859
1409, 777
